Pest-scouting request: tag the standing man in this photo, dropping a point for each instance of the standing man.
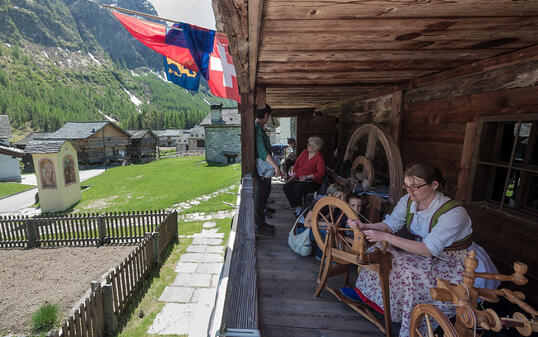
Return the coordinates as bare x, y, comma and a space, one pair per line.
262, 182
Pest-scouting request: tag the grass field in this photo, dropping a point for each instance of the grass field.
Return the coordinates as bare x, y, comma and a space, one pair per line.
155, 185
11, 188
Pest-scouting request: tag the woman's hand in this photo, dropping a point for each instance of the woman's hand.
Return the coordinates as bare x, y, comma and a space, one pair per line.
356, 224
375, 236
303, 178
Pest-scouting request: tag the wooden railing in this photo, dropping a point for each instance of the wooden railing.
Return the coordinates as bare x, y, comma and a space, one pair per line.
241, 300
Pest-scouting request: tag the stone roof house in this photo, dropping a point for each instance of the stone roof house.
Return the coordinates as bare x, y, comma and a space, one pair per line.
222, 135
143, 147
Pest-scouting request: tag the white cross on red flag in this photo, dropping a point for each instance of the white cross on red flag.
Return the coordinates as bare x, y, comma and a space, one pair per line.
222, 77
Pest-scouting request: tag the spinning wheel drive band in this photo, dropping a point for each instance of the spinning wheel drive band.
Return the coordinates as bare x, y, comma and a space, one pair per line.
330, 210
374, 135
429, 314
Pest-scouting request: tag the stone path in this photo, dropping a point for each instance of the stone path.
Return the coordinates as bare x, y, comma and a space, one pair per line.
191, 297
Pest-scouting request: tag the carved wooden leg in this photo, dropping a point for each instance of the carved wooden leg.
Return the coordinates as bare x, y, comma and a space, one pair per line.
384, 272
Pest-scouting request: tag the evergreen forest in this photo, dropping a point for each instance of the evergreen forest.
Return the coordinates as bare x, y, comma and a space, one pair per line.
66, 73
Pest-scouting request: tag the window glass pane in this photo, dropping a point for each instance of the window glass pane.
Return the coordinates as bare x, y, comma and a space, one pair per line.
532, 197
522, 143
513, 186
498, 183
487, 142
507, 142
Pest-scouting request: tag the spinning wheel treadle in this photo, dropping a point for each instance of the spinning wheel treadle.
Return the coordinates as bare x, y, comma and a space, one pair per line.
340, 251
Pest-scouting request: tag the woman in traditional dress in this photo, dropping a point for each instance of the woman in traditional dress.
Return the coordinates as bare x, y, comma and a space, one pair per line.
436, 235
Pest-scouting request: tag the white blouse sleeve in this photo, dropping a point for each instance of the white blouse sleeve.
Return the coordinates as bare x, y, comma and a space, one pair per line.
397, 218
452, 226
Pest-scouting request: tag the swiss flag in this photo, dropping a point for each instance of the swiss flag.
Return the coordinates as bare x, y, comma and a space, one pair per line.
222, 77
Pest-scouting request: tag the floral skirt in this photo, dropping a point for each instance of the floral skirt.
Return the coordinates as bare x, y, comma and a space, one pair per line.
410, 281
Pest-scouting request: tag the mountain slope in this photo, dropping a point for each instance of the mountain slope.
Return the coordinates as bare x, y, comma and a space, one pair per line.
73, 61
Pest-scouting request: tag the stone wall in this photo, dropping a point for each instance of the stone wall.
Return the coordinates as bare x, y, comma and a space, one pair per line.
219, 139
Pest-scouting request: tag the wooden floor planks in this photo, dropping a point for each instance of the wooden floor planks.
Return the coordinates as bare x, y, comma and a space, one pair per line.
286, 284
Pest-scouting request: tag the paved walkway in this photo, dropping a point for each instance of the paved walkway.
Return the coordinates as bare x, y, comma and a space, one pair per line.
191, 297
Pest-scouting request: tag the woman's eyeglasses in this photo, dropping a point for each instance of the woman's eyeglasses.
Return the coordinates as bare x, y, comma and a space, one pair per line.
413, 187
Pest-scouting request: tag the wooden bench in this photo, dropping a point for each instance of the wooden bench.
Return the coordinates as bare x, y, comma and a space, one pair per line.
230, 156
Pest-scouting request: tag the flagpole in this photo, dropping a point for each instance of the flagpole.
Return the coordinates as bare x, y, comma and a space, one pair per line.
119, 9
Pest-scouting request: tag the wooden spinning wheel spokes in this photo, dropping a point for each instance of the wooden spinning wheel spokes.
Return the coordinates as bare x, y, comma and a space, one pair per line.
374, 135
328, 215
432, 317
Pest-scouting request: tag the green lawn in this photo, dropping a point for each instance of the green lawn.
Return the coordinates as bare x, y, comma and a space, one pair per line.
11, 188
155, 185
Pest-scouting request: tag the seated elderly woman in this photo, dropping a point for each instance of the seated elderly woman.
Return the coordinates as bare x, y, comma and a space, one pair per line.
308, 172
436, 235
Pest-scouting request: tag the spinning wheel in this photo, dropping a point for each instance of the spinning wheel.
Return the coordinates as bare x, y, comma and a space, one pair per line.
431, 316
370, 147
343, 247
464, 296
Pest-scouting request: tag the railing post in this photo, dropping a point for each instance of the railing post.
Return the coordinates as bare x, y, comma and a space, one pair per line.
174, 219
101, 228
30, 227
111, 321
156, 255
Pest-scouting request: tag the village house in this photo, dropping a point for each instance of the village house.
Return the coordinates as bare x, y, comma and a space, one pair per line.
169, 137
9, 156
222, 135
96, 142
197, 138
143, 147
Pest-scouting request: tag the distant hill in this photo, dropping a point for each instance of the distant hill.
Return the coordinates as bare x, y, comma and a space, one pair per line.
64, 60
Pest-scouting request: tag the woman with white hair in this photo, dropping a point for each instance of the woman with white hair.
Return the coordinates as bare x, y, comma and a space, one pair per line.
308, 172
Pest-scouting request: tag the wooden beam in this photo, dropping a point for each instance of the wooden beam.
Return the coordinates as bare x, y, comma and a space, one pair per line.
397, 118
292, 112
492, 63
260, 98
232, 15
247, 134
463, 191
350, 9
255, 8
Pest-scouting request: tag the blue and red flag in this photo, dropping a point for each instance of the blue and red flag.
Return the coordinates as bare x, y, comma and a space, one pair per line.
195, 48
176, 73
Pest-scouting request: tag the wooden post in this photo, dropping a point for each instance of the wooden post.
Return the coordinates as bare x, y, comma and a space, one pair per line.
155, 243
108, 309
174, 230
247, 134
463, 190
101, 229
30, 227
397, 111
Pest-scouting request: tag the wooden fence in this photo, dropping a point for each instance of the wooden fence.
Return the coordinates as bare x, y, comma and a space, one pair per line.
152, 231
79, 229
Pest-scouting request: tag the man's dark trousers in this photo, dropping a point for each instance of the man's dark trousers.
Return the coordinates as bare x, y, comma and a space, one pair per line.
262, 189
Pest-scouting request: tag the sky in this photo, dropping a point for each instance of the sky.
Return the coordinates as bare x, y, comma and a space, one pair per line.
196, 12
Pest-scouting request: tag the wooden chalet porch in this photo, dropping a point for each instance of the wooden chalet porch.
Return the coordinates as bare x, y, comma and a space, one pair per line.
286, 285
